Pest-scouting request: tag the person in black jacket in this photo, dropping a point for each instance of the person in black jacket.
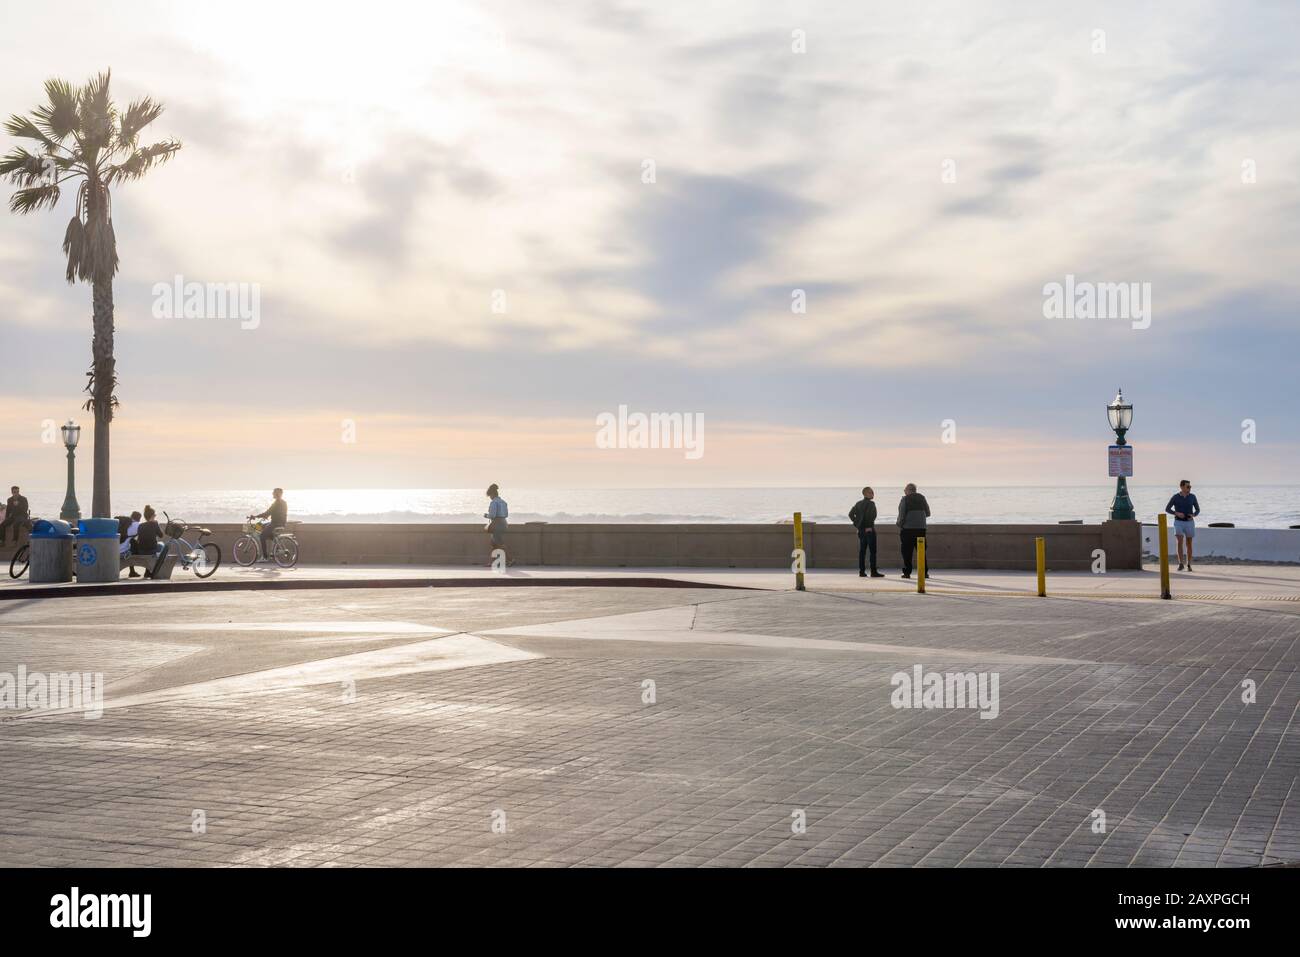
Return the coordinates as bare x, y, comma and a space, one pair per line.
913, 510
148, 537
863, 517
16, 515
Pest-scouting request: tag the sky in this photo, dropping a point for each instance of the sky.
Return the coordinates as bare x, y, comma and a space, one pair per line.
823, 229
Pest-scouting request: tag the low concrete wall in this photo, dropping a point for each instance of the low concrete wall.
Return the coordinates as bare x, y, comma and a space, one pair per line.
1069, 547
1281, 545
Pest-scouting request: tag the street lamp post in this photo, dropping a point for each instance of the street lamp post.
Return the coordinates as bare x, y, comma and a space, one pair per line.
71, 511
1120, 414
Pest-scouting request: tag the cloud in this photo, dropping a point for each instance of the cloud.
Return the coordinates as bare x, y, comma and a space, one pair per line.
695, 232
381, 185
396, 185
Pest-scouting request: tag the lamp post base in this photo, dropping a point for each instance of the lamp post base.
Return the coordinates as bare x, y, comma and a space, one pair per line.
1121, 506
71, 511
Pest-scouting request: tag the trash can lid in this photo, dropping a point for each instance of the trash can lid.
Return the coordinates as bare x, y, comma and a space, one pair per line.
98, 528
51, 528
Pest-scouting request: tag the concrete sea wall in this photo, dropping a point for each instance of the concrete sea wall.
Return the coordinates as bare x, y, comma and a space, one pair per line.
1281, 545
1069, 547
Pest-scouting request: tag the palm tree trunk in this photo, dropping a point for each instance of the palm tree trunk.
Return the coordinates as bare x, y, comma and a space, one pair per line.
102, 396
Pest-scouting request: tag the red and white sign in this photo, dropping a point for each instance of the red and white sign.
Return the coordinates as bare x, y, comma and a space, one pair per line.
1121, 461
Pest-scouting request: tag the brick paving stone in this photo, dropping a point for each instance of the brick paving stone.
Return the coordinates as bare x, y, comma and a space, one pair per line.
1143, 720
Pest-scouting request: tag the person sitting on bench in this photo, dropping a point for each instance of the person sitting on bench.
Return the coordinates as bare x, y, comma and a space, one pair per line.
148, 538
127, 526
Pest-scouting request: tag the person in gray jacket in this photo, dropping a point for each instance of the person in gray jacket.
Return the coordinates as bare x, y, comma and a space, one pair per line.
913, 510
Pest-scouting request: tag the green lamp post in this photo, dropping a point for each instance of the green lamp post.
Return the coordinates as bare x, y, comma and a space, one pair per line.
71, 511
1120, 414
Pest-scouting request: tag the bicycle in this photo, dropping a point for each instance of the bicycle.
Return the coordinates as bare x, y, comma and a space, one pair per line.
23, 557
248, 547
18, 564
203, 557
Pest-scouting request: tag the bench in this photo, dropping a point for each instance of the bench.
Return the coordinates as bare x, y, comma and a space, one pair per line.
157, 566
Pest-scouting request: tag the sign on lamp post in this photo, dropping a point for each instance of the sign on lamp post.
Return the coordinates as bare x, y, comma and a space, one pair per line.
1120, 461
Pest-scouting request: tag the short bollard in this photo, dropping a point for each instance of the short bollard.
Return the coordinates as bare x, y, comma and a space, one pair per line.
1040, 546
920, 566
1164, 557
800, 561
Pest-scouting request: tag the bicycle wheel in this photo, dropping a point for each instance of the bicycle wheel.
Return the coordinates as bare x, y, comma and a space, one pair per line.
207, 559
285, 551
245, 551
18, 564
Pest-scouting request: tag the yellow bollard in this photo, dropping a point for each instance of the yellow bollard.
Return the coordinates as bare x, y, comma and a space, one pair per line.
920, 566
1040, 546
1164, 556
800, 559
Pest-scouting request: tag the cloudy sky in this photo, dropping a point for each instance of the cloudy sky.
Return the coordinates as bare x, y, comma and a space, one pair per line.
474, 227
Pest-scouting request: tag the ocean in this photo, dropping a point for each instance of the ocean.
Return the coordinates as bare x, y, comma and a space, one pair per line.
1247, 506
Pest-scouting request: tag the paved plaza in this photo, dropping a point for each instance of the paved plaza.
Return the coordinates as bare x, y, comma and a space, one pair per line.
655, 726
1224, 581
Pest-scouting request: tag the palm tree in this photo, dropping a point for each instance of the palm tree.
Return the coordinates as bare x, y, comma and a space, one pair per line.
79, 136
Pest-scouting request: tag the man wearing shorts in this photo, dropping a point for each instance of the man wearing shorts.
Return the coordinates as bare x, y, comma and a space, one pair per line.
1184, 508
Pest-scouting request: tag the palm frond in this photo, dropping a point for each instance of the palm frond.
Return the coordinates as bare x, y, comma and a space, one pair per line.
89, 404
25, 128
58, 117
22, 167
91, 248
97, 116
96, 93
102, 243
74, 247
33, 198
25, 168
92, 404
138, 115
141, 161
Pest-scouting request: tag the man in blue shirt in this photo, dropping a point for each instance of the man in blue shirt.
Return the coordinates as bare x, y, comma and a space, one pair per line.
1184, 508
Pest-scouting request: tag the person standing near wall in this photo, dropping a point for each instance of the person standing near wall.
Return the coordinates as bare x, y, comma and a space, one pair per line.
863, 517
1184, 508
16, 513
497, 514
913, 510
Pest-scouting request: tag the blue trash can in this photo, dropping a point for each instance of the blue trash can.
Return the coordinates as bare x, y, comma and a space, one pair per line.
51, 552
96, 551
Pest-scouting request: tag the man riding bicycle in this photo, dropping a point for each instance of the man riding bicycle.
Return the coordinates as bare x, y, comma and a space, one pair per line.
278, 515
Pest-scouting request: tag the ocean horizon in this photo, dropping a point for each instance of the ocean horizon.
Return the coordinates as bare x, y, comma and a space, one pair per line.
1261, 506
